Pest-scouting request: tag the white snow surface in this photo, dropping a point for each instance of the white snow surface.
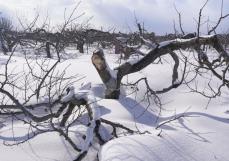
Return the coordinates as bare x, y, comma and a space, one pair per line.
200, 136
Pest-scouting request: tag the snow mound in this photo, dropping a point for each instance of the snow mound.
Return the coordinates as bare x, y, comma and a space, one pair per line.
155, 148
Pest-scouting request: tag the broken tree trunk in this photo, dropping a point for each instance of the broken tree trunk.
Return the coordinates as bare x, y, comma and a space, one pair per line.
109, 79
112, 78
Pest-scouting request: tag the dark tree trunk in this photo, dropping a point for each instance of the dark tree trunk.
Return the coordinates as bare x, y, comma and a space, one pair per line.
80, 45
4, 48
47, 48
118, 48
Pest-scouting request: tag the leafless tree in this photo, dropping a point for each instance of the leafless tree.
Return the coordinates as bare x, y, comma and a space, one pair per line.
112, 77
46, 101
42, 97
6, 41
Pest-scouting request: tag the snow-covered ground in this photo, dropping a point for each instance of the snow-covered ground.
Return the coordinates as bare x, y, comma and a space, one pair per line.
202, 135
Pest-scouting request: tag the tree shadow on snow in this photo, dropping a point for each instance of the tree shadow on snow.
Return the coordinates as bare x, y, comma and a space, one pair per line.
142, 115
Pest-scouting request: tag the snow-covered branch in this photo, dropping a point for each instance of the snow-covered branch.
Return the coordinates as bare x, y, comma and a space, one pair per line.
167, 47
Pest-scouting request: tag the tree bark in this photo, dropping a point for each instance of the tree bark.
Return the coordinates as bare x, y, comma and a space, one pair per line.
80, 46
110, 81
47, 48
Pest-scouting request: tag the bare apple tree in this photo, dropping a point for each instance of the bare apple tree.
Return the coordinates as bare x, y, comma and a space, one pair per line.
112, 77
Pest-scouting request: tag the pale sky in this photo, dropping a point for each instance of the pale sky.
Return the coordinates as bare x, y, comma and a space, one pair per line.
157, 15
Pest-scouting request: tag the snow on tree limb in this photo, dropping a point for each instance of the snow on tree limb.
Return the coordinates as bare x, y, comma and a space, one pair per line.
113, 84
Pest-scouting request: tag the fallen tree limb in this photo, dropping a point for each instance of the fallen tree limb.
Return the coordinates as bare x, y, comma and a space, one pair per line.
112, 78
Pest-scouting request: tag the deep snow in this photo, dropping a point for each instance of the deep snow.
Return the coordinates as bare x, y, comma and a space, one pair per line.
201, 136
